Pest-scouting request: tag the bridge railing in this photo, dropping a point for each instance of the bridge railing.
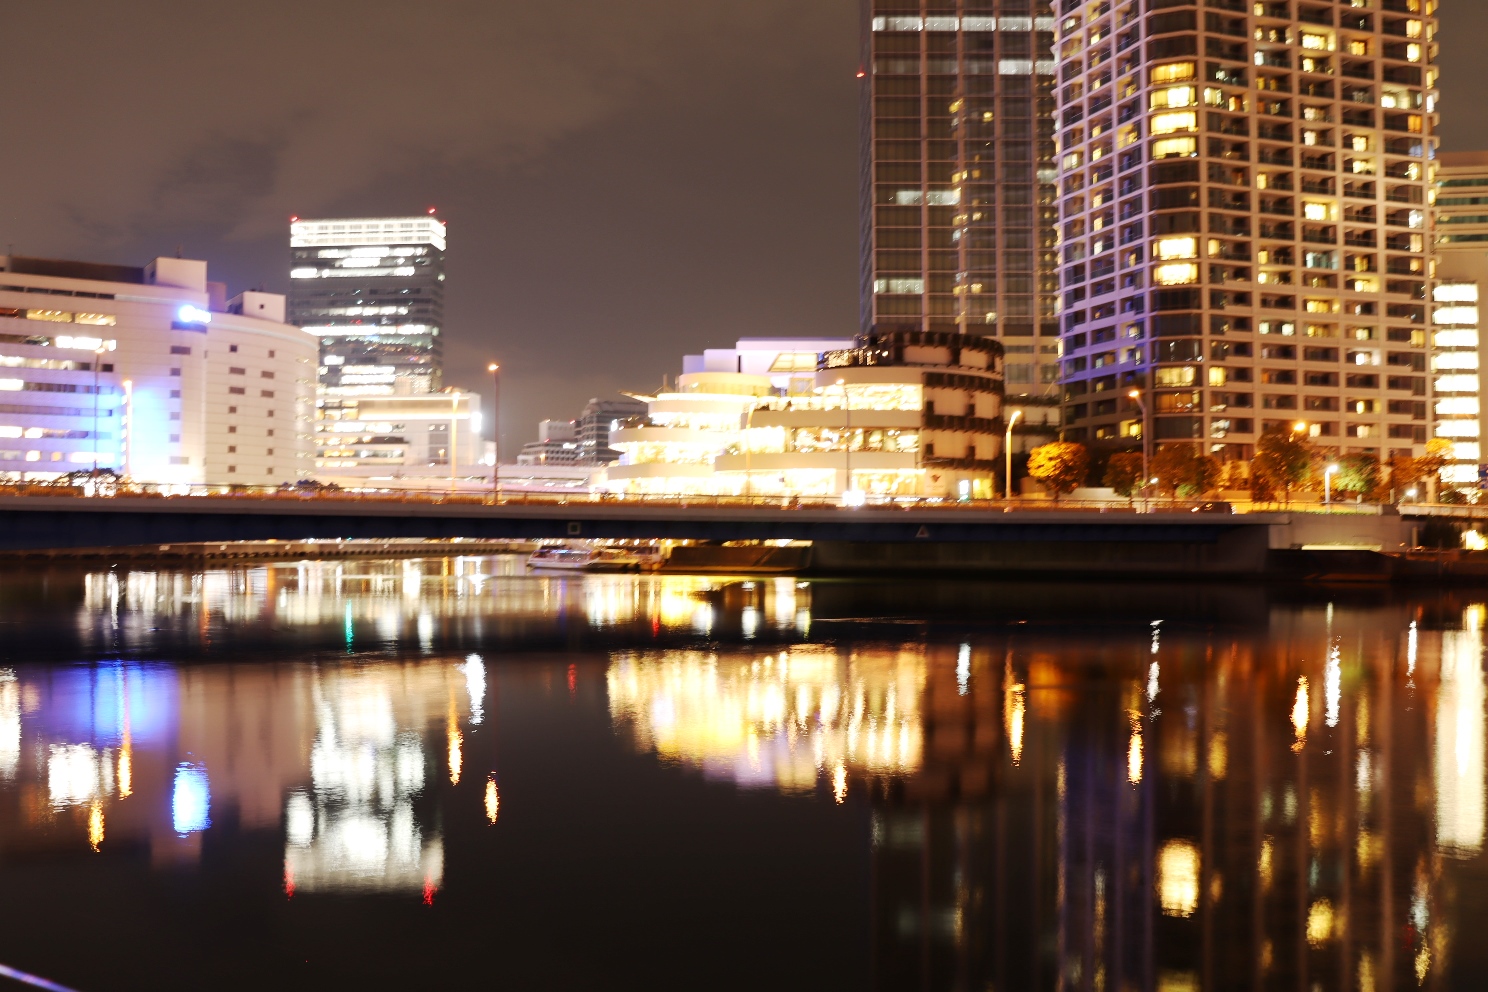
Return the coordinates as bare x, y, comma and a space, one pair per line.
108, 489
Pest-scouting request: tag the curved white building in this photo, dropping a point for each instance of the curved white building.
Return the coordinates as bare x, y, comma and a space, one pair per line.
151, 372
910, 414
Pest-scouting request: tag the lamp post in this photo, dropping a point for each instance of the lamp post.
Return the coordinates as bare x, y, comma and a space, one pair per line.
1136, 397
97, 363
454, 427
1007, 450
495, 371
1328, 474
847, 413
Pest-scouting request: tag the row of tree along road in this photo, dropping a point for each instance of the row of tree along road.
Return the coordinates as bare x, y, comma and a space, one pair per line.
1286, 465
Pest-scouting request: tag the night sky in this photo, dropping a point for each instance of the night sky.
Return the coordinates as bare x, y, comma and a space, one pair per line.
625, 182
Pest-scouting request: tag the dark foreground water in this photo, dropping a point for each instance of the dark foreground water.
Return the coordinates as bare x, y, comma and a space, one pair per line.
449, 774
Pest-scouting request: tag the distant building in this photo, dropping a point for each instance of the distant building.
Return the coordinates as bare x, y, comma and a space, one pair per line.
151, 372
557, 444
422, 441
595, 425
372, 291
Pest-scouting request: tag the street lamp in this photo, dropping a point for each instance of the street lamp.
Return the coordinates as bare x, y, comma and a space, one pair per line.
1328, 483
1007, 450
1300, 427
847, 413
454, 424
495, 371
1136, 397
97, 361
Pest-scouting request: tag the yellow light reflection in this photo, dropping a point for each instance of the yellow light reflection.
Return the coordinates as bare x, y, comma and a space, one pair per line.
1263, 864
1134, 758
456, 744
839, 783
95, 825
1178, 878
1014, 708
1219, 756
783, 721
126, 770
493, 801
1320, 920
1300, 714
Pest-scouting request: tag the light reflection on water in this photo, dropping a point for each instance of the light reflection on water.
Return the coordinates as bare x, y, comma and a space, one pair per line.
1297, 799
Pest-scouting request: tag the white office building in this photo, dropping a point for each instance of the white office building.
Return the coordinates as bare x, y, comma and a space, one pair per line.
151, 372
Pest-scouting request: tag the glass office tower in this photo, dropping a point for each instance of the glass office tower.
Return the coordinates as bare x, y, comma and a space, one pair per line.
959, 182
372, 290
1244, 229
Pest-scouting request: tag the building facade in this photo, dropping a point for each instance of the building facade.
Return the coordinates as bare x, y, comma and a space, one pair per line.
1460, 226
150, 372
912, 414
372, 291
423, 440
959, 180
1243, 218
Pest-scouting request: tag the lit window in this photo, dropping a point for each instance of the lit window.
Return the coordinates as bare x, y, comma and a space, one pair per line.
1179, 375
1314, 210
1456, 293
1174, 73
1175, 148
1317, 42
1174, 97
1176, 274
1180, 121
1170, 248
1456, 315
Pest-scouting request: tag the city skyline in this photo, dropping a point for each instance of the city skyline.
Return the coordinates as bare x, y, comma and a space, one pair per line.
226, 198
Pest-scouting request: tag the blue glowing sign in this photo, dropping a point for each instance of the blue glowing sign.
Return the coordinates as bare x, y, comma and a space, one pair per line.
193, 315
191, 800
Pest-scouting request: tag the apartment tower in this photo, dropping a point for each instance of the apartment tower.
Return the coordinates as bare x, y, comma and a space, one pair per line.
959, 181
1243, 217
372, 291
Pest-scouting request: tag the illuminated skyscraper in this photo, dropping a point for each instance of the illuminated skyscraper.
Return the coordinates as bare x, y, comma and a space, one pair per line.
372, 291
959, 183
1244, 239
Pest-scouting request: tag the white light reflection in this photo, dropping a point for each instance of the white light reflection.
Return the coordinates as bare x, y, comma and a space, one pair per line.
1332, 684
10, 724
1460, 738
963, 670
191, 799
475, 685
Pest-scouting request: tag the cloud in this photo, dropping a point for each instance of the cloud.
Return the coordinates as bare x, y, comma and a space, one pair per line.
230, 116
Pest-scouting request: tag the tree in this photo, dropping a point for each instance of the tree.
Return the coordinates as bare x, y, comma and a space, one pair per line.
1358, 475
1124, 473
1438, 452
1181, 470
1405, 474
1283, 459
1059, 466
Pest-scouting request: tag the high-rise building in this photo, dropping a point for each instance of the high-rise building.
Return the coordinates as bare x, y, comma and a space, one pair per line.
372, 291
1244, 230
959, 181
1460, 224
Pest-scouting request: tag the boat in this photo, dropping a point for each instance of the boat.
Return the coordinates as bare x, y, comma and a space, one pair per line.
561, 558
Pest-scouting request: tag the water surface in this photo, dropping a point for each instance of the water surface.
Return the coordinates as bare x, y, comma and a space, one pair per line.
400, 774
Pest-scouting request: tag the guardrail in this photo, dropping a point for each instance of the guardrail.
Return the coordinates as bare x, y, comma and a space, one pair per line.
109, 489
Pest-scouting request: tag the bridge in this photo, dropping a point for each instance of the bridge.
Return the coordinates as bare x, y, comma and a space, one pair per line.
945, 537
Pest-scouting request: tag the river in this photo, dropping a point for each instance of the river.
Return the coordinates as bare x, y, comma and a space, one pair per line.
451, 773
